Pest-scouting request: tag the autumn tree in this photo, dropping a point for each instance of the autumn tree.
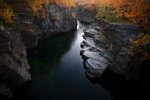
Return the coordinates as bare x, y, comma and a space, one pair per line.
138, 11
36, 5
141, 47
5, 13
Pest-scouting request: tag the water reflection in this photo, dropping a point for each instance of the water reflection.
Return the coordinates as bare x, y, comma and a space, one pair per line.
58, 73
48, 55
123, 89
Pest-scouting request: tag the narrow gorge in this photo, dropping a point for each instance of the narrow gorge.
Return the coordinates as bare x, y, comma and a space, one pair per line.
65, 52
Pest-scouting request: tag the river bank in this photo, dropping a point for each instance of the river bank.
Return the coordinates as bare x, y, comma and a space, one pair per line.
55, 69
107, 62
106, 47
58, 72
25, 33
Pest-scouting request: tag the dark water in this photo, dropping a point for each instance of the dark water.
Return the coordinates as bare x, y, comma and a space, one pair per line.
58, 72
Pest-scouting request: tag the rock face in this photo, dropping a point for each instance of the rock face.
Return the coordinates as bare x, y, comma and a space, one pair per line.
96, 62
25, 33
58, 20
85, 15
14, 68
108, 49
30, 33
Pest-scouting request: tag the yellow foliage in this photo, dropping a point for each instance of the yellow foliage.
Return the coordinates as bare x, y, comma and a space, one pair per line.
74, 16
36, 5
141, 46
138, 11
6, 13
135, 11
57, 15
16, 54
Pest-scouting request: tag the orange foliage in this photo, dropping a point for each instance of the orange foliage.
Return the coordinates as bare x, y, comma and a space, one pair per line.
6, 13
136, 11
72, 3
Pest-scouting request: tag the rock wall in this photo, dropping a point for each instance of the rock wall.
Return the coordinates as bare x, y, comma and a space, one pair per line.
58, 20
85, 15
14, 67
25, 33
107, 48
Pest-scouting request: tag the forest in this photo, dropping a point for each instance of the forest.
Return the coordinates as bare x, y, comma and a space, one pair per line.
120, 11
135, 11
59, 49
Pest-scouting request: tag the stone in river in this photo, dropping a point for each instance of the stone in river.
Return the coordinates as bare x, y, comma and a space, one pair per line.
95, 68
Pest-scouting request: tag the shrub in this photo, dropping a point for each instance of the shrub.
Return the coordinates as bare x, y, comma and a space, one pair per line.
104, 13
57, 15
36, 5
141, 46
5, 13
74, 16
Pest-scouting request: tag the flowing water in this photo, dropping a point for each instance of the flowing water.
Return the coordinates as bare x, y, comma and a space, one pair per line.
58, 72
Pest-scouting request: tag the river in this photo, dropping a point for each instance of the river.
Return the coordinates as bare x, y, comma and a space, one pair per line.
58, 72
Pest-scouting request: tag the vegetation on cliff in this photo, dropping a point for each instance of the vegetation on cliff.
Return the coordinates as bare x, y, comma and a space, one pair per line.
135, 11
120, 11
141, 46
5, 13
128, 11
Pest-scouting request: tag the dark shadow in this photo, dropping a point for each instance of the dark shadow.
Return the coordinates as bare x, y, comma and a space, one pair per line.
43, 59
49, 53
126, 89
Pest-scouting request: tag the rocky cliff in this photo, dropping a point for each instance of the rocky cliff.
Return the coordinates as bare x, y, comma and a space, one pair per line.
58, 20
14, 67
23, 34
107, 48
85, 15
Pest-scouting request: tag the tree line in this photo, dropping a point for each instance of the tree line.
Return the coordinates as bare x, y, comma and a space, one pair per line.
128, 11
5, 13
133, 11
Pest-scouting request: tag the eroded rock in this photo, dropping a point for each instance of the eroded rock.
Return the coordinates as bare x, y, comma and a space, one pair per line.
58, 20
107, 48
95, 67
14, 67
